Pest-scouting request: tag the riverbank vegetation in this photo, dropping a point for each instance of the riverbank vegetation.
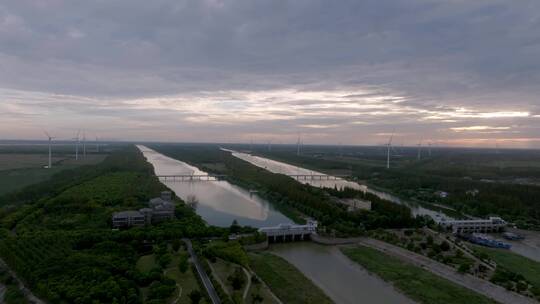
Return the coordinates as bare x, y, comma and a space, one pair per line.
56, 235
289, 285
300, 199
514, 272
418, 284
479, 182
439, 247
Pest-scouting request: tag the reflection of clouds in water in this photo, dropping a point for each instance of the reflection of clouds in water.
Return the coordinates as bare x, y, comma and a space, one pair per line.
283, 168
220, 196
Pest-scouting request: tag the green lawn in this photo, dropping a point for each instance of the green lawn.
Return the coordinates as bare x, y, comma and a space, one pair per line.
146, 263
223, 270
418, 284
261, 290
528, 268
287, 282
186, 281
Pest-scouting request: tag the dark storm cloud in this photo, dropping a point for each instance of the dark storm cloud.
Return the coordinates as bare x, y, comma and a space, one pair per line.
441, 64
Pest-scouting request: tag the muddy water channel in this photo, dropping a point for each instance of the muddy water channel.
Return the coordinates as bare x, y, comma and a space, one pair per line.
341, 279
219, 202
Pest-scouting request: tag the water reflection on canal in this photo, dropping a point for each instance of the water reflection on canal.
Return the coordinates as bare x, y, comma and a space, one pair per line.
287, 169
219, 202
341, 279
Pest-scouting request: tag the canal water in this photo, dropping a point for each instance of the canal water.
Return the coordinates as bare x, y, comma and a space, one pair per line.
287, 169
342, 280
219, 202
529, 247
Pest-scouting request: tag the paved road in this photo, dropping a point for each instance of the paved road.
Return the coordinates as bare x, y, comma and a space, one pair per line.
483, 287
2, 292
202, 274
27, 293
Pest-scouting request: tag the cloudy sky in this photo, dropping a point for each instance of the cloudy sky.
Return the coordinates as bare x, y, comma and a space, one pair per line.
454, 72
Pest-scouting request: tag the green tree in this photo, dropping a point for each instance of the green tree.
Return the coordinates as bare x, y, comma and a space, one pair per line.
195, 296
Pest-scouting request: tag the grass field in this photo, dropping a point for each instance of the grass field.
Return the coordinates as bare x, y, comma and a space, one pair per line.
186, 281
528, 268
418, 284
20, 170
287, 282
146, 263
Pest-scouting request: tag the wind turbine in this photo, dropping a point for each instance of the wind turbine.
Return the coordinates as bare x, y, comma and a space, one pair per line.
50, 149
420, 150
84, 144
388, 147
97, 145
77, 143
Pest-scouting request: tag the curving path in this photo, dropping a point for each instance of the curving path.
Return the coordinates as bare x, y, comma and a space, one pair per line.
27, 292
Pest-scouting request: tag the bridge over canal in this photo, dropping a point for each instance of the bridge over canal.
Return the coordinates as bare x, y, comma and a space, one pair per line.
290, 232
191, 177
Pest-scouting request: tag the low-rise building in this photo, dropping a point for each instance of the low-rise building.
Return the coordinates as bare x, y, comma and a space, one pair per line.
128, 218
159, 209
492, 224
290, 232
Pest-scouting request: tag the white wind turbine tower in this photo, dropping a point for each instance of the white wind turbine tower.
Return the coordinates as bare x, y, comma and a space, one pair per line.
420, 150
388, 147
77, 143
50, 149
84, 144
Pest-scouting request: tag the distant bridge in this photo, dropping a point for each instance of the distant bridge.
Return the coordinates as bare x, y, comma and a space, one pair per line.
317, 177
191, 177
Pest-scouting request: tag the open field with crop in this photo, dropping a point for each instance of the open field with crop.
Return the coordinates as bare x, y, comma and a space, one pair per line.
20, 170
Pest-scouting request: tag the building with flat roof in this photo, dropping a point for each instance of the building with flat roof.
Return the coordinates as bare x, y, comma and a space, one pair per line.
159, 209
290, 232
128, 218
492, 224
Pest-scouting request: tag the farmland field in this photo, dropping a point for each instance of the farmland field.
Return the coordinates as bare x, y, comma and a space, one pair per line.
18, 170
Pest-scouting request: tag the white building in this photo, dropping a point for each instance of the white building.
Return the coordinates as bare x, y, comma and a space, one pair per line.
492, 224
290, 232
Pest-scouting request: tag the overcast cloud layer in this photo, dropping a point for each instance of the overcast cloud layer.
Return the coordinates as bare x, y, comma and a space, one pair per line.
451, 72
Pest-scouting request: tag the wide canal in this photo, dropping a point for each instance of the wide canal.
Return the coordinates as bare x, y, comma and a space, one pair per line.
219, 203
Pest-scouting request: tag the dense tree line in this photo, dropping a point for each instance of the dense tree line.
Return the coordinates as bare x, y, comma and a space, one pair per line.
284, 190
457, 172
62, 244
